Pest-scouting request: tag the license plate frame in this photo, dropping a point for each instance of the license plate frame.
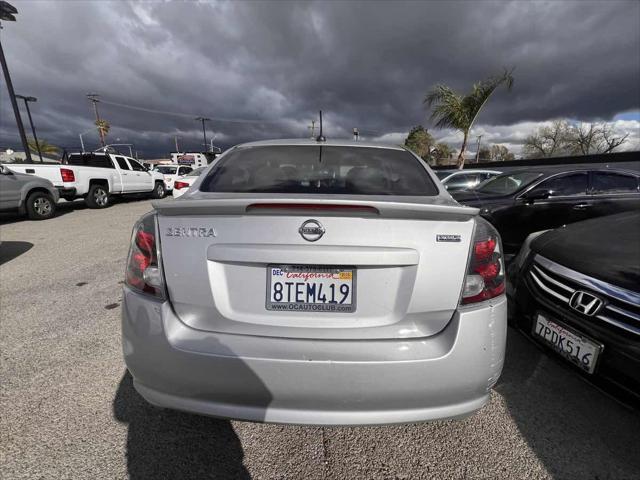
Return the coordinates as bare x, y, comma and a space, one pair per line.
577, 338
306, 307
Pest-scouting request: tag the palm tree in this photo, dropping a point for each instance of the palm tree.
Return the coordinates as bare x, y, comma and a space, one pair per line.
45, 147
453, 110
103, 129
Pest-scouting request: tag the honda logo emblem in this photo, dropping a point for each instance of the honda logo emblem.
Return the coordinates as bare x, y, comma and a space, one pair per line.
585, 303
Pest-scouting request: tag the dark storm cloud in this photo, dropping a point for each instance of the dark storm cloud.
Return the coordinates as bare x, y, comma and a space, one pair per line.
366, 64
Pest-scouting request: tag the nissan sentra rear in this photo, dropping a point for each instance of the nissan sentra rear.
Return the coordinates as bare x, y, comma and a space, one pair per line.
327, 283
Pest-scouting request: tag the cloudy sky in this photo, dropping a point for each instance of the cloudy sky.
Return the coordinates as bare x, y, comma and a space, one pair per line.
262, 70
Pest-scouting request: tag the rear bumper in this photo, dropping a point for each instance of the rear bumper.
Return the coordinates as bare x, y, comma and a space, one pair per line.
67, 192
320, 382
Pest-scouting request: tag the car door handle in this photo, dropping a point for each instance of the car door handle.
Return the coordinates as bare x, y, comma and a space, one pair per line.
581, 206
124, 174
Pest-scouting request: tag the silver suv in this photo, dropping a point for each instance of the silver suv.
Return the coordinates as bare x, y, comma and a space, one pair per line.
35, 196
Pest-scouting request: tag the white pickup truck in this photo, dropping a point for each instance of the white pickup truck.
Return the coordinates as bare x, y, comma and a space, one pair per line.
97, 176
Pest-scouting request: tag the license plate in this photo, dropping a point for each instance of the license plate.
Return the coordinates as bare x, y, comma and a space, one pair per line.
572, 345
310, 288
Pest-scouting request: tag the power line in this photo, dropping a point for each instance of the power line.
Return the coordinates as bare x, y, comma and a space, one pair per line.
188, 115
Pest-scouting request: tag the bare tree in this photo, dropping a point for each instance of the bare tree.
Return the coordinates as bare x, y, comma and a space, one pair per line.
562, 138
608, 142
548, 140
500, 153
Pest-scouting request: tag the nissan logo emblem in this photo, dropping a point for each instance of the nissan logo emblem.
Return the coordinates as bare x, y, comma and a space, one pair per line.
311, 230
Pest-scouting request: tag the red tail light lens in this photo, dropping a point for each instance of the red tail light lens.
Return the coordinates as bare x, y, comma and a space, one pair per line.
485, 274
67, 175
143, 268
179, 185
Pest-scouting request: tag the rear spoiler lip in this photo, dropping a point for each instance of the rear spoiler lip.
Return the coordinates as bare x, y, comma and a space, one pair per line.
441, 208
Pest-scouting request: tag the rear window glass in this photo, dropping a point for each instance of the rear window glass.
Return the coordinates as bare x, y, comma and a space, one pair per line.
167, 170
90, 160
320, 170
609, 182
196, 172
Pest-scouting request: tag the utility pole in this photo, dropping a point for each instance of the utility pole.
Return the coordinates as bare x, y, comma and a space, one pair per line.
93, 98
204, 131
33, 129
7, 12
312, 128
478, 149
356, 134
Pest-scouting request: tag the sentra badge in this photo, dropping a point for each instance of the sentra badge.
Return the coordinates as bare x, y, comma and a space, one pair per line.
190, 232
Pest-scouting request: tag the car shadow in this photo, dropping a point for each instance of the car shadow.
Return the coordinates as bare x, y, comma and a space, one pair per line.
170, 444
575, 429
62, 208
11, 250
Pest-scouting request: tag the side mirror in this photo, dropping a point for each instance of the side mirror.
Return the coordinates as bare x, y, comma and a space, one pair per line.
537, 194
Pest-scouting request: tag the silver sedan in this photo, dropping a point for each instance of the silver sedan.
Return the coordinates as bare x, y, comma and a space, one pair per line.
326, 283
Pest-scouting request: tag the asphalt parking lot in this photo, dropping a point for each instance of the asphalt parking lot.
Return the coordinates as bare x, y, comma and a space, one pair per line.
69, 409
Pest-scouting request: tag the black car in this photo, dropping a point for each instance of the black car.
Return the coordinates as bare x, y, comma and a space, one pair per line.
576, 290
524, 201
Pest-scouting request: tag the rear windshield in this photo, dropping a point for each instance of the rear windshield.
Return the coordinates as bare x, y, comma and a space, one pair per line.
320, 170
507, 183
196, 172
167, 170
90, 160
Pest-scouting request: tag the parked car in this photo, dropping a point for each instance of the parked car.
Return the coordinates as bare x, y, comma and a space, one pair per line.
315, 283
96, 177
34, 196
171, 172
454, 180
576, 290
525, 201
182, 184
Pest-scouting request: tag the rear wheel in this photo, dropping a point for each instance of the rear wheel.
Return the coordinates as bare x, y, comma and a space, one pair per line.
40, 206
159, 191
98, 196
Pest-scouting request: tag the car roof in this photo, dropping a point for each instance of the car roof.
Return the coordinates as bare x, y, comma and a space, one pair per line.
471, 170
311, 142
549, 171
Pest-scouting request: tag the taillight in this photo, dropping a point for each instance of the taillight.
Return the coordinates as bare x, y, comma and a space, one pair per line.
143, 268
67, 175
485, 273
178, 185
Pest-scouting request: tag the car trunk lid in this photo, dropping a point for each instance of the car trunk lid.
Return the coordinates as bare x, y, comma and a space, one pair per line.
408, 258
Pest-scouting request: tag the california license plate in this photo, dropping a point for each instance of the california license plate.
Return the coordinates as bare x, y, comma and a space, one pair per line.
575, 347
311, 288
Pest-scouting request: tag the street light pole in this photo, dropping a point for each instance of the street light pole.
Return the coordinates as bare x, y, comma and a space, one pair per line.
478, 149
6, 13
204, 131
33, 129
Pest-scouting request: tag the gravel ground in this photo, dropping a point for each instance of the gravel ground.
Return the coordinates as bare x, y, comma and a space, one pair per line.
69, 409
